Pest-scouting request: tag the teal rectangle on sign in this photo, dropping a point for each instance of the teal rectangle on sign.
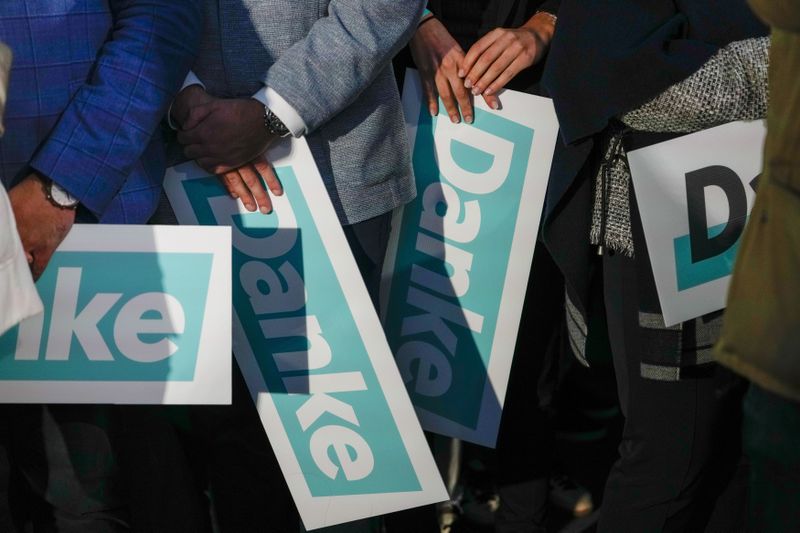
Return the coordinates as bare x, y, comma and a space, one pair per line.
689, 274
452, 260
298, 324
113, 316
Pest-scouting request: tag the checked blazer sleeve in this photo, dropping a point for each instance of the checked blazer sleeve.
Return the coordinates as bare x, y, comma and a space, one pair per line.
342, 54
107, 126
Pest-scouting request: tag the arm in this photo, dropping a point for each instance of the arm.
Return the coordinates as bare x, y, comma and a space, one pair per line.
503, 53
732, 85
104, 130
326, 71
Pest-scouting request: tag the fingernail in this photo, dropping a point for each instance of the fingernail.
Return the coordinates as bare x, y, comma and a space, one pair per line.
468, 84
461, 73
234, 195
495, 105
488, 91
250, 207
265, 211
468, 119
432, 111
476, 91
454, 119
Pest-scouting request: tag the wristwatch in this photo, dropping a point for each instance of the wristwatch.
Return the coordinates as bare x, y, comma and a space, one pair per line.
274, 125
56, 195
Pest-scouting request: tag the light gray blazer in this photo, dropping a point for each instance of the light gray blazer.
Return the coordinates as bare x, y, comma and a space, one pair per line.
329, 59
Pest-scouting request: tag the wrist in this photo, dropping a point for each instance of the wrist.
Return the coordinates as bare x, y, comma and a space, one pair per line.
543, 26
56, 195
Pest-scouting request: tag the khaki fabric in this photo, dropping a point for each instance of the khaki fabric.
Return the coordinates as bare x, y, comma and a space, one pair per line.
761, 335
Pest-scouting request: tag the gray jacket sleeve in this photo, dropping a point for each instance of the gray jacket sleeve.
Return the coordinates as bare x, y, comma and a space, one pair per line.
732, 85
342, 54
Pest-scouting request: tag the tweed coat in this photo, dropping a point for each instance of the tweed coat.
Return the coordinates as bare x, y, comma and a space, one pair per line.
330, 60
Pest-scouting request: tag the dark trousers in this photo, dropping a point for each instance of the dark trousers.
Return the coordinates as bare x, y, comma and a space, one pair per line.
59, 471
772, 444
525, 440
680, 463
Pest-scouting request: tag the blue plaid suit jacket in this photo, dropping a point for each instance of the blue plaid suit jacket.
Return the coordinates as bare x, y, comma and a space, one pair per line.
90, 81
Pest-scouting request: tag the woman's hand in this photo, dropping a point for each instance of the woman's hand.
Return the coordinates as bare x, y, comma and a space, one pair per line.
503, 53
439, 58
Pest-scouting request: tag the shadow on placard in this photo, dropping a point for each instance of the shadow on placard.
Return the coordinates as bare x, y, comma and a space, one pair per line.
284, 344
469, 370
111, 317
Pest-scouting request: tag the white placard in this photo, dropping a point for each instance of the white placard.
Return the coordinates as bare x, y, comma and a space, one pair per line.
460, 256
133, 315
694, 194
312, 350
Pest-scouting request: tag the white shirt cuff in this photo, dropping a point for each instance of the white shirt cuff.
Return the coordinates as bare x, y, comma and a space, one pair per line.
283, 110
191, 79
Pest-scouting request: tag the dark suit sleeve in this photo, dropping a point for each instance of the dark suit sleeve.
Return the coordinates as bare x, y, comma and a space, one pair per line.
111, 119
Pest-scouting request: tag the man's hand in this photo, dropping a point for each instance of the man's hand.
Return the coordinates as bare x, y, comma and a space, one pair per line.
187, 100
41, 225
503, 53
224, 134
227, 137
439, 57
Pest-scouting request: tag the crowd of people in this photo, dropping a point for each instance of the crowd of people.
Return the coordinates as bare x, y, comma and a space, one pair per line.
104, 95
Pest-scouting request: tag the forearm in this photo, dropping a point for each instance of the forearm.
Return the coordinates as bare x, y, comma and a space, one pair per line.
730, 86
102, 134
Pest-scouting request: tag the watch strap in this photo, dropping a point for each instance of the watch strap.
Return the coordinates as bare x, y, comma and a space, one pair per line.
274, 125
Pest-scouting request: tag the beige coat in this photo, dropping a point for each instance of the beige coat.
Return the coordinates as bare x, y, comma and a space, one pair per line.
761, 336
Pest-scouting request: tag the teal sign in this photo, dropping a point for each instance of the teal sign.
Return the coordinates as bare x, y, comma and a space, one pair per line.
113, 316
453, 258
307, 346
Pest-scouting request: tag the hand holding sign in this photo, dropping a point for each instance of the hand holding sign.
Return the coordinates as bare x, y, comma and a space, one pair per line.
503, 53
439, 57
227, 137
